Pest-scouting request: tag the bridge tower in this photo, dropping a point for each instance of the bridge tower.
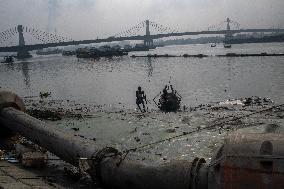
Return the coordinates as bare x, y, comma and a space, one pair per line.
21, 36
148, 41
22, 53
229, 34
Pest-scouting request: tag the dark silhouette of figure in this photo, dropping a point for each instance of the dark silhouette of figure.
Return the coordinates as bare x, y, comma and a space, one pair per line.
140, 97
164, 97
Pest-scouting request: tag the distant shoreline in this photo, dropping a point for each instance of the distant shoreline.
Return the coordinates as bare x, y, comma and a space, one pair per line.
204, 55
266, 39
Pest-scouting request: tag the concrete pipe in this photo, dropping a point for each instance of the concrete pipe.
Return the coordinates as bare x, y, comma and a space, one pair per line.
9, 99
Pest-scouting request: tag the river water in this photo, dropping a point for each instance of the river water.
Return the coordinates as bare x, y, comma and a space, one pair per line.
111, 85
113, 82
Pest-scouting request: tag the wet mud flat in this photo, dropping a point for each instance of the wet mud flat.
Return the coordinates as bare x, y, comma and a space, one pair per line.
201, 130
130, 129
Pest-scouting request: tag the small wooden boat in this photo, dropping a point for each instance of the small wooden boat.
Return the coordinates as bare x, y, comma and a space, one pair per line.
227, 45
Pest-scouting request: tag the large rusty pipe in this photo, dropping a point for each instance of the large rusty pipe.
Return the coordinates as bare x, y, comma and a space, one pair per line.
127, 174
179, 174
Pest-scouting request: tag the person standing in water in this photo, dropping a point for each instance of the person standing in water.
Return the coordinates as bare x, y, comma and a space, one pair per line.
140, 97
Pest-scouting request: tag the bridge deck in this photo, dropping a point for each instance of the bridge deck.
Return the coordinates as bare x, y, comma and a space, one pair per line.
138, 37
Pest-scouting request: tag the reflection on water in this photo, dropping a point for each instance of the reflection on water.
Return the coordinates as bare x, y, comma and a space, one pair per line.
25, 70
150, 67
112, 82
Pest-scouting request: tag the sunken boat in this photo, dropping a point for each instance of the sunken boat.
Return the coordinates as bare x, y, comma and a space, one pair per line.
168, 101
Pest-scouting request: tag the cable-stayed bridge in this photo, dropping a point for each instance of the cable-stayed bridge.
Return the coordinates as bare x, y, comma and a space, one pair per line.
53, 40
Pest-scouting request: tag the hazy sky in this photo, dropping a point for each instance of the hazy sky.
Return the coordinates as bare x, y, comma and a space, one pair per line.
85, 19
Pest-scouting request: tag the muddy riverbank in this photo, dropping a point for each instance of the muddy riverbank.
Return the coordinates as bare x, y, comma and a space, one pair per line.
125, 129
201, 130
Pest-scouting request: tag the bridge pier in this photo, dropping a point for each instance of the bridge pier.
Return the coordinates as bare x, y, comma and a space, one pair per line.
22, 52
229, 34
148, 41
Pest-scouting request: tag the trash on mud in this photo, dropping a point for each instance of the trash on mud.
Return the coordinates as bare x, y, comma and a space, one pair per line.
170, 131
137, 139
43, 95
232, 102
73, 173
185, 120
11, 158
216, 108
75, 129
52, 115
1, 155
34, 159
254, 100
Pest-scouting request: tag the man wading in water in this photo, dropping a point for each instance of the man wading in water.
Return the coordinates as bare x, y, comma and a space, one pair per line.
140, 97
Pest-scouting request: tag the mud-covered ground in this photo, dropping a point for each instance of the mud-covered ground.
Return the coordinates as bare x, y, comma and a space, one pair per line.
126, 129
202, 128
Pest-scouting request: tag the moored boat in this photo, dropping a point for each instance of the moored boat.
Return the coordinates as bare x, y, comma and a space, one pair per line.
68, 53
48, 52
103, 51
8, 59
227, 45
